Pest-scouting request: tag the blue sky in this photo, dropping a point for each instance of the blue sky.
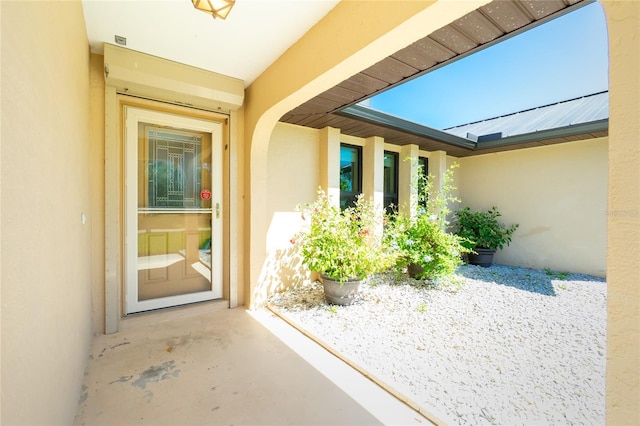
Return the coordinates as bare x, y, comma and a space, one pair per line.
562, 59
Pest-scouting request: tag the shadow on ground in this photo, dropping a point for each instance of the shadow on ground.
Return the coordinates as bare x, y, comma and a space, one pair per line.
539, 281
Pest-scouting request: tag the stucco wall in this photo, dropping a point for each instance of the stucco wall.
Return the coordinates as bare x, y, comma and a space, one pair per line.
623, 219
293, 167
46, 250
554, 193
96, 152
558, 196
292, 179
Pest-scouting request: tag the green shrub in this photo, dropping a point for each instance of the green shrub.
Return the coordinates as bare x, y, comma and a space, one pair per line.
343, 244
482, 229
423, 240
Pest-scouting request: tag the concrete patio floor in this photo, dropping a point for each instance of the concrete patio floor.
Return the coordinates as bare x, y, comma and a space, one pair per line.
206, 364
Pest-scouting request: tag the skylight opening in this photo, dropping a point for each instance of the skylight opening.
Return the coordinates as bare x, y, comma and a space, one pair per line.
565, 58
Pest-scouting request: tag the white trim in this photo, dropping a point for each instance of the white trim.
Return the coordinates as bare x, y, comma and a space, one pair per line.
133, 117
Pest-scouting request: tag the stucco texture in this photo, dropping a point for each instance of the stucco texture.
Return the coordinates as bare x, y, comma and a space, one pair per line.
97, 159
623, 214
292, 180
46, 249
558, 196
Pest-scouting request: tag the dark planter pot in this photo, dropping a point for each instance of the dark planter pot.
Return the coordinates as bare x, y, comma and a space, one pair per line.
338, 293
414, 270
484, 257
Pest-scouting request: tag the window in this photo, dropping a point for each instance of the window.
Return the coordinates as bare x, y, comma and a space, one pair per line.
390, 187
350, 174
423, 166
174, 170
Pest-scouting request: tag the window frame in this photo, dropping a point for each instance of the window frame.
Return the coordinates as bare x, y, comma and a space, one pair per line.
423, 163
348, 198
391, 198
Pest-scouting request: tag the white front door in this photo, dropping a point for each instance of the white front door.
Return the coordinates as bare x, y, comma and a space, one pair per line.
173, 223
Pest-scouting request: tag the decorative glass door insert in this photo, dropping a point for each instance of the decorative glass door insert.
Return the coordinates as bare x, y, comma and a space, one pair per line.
175, 167
173, 221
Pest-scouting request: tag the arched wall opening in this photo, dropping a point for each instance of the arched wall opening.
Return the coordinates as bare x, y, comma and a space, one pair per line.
353, 36
268, 98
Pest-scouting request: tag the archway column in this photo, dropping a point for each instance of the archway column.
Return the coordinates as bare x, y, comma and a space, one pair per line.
437, 168
407, 174
373, 165
623, 215
330, 163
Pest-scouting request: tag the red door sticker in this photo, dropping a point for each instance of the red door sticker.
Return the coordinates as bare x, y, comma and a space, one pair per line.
205, 194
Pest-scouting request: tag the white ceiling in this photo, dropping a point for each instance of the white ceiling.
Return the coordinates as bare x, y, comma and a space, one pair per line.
253, 36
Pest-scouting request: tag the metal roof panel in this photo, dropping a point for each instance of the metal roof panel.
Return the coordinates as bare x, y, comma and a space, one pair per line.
567, 113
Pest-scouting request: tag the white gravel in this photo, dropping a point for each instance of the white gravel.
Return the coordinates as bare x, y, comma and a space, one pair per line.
504, 346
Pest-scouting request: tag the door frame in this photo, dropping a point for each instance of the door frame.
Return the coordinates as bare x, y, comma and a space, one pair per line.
109, 302
133, 116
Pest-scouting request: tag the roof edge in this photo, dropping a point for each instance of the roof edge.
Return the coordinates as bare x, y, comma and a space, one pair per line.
559, 132
382, 119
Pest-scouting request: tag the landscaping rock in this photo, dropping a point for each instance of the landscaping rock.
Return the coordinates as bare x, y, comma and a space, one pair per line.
506, 346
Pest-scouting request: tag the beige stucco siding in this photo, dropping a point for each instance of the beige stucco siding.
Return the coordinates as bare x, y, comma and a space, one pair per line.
623, 220
558, 196
554, 193
96, 94
293, 167
292, 179
46, 249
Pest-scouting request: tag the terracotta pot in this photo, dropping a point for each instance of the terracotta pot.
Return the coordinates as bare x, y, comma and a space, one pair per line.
338, 293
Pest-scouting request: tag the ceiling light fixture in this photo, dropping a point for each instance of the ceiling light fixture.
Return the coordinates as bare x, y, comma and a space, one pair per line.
216, 8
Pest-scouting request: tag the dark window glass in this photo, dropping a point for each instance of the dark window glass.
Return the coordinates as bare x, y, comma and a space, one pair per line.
350, 174
390, 181
423, 165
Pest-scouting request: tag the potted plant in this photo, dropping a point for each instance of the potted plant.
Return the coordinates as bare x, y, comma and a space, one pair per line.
484, 232
343, 246
423, 246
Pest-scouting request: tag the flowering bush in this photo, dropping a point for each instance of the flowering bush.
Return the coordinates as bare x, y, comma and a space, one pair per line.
343, 244
483, 229
422, 240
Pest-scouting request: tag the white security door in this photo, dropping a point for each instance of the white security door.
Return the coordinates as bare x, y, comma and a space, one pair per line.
173, 223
